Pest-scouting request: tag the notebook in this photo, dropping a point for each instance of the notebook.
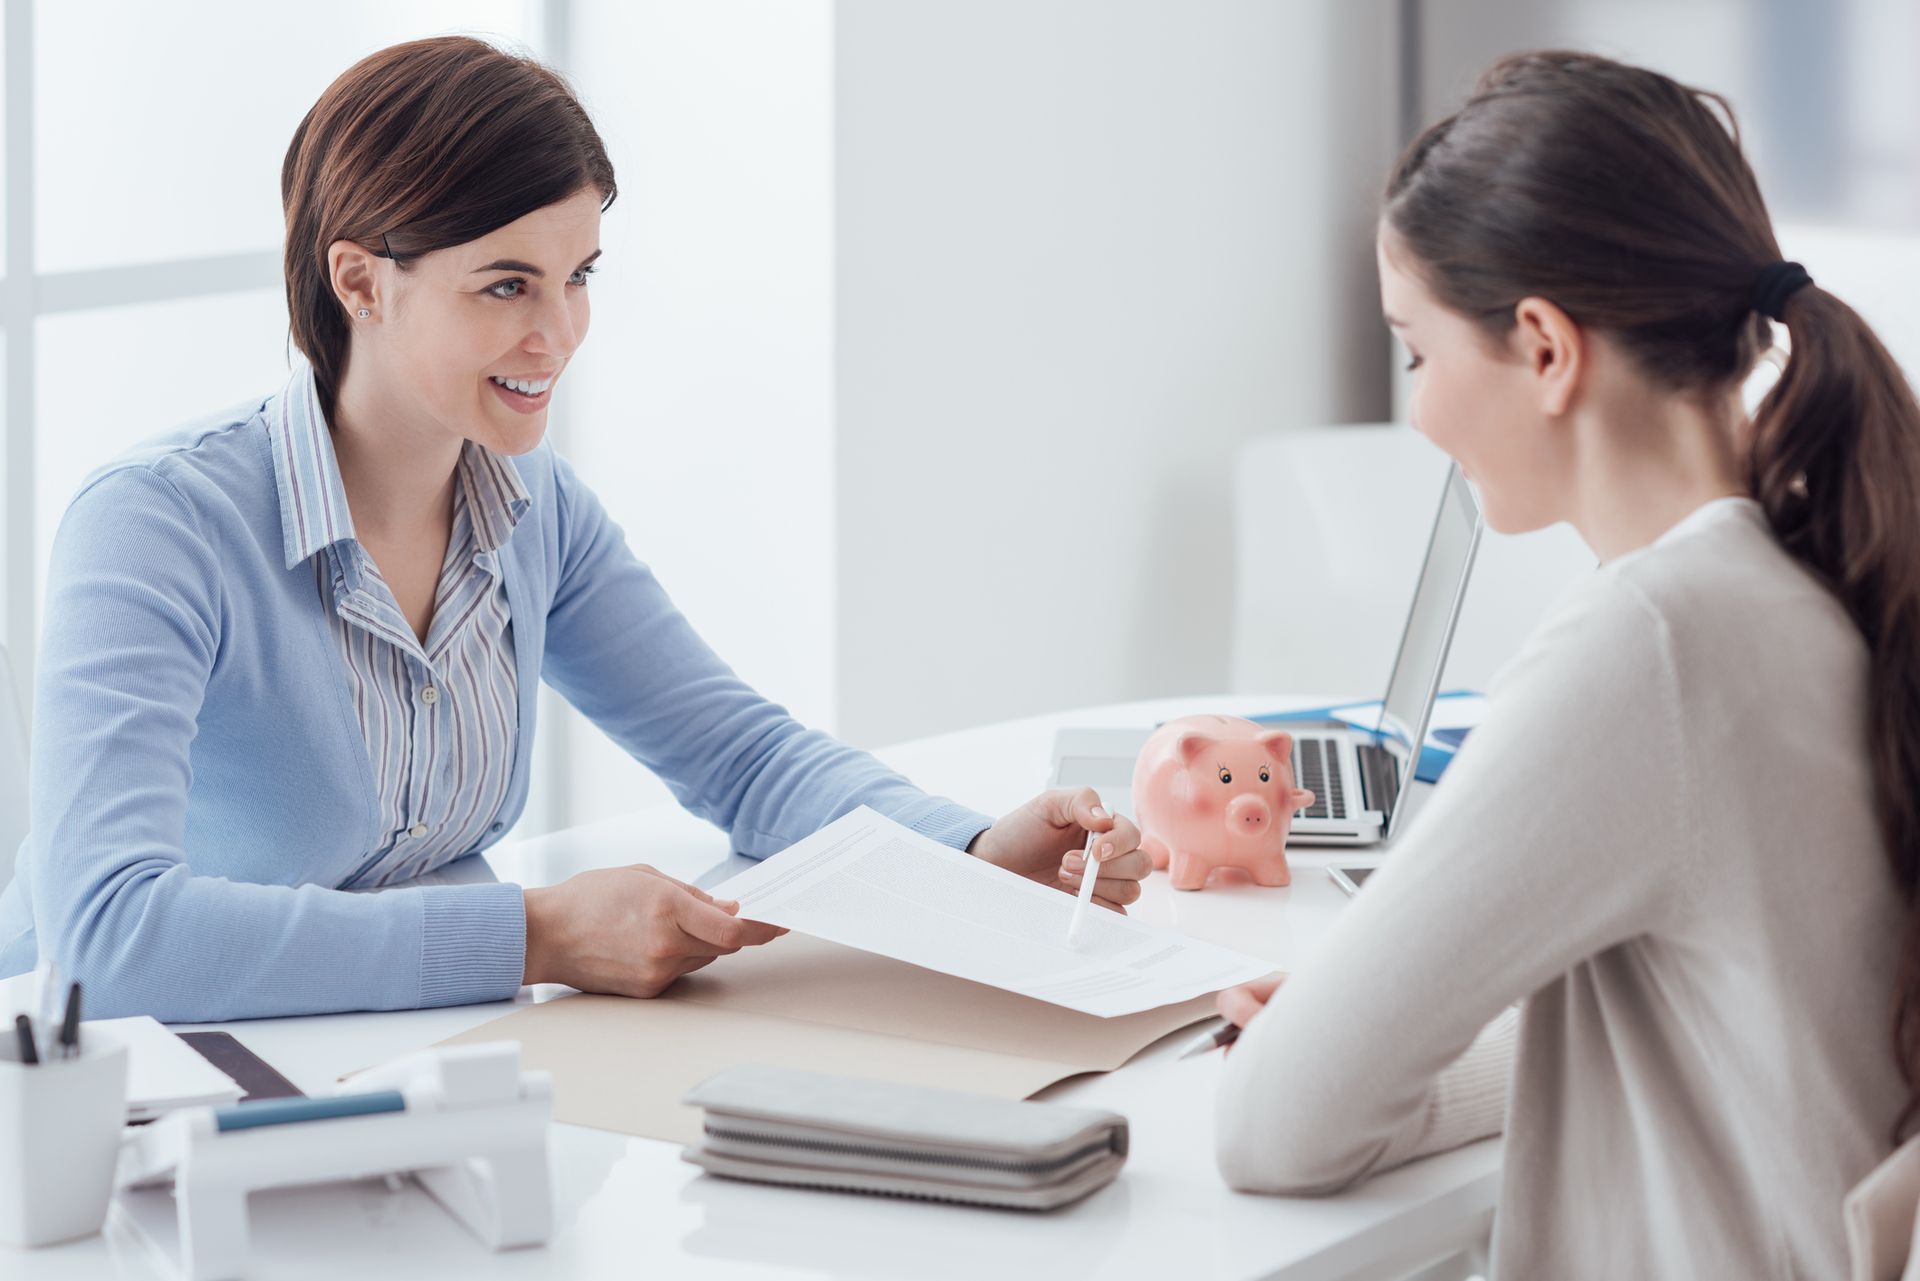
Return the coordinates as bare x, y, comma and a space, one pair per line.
163, 1071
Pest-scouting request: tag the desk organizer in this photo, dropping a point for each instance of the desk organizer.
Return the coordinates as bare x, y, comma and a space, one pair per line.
465, 1121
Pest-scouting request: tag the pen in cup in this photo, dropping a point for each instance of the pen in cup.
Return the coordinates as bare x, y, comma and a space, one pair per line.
1089, 873
46, 1005
70, 1025
23, 1032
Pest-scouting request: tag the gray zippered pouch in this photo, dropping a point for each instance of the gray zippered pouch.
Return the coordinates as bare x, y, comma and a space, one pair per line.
810, 1129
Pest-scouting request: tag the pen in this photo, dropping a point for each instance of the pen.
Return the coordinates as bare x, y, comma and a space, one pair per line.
47, 975
1088, 875
70, 1026
1217, 1037
23, 1029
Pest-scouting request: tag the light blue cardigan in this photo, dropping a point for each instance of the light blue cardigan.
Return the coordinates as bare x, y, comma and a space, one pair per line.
200, 786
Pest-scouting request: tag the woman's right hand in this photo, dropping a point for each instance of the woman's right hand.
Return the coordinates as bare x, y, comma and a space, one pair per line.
629, 931
1239, 1005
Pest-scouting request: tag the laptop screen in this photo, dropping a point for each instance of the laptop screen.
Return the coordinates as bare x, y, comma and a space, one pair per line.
1423, 646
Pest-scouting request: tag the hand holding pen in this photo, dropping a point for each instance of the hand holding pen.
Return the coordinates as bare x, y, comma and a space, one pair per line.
1046, 841
1237, 1005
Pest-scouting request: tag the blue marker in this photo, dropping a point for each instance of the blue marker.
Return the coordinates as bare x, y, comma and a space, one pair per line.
246, 1116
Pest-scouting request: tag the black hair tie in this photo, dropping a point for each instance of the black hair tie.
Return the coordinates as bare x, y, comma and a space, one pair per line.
1775, 284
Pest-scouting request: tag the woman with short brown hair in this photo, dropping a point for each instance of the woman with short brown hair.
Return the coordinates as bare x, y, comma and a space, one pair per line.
293, 653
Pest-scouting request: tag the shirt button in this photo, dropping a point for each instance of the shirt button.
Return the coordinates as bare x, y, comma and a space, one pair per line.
417, 831
429, 696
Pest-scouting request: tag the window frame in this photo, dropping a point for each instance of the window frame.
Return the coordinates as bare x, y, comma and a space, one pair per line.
26, 295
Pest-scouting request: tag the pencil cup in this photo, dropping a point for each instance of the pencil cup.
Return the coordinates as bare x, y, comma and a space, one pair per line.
60, 1124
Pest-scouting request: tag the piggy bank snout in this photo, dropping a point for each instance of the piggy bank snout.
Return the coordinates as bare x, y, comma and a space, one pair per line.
1249, 814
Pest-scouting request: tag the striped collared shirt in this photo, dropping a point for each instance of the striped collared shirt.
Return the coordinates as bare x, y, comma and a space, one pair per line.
439, 718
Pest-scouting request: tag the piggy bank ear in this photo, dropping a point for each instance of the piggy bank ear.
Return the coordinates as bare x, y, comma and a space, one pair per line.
1280, 743
1189, 746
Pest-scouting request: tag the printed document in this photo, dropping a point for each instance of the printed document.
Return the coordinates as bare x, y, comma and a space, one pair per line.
867, 882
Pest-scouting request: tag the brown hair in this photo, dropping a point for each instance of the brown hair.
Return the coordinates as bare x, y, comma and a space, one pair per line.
415, 148
1623, 197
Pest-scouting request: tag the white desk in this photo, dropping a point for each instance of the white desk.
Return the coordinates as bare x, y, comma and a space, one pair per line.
630, 1207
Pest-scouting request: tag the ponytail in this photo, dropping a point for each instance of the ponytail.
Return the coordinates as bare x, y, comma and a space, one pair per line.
1835, 464
1623, 196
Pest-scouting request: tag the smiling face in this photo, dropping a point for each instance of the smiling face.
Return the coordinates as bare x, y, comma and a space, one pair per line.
472, 340
1480, 400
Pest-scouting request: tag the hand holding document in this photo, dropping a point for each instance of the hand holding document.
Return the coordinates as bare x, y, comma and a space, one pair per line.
867, 882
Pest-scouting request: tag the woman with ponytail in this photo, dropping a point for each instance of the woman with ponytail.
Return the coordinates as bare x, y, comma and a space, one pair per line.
1686, 838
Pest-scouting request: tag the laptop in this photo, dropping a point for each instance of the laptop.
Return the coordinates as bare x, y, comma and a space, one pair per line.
1357, 776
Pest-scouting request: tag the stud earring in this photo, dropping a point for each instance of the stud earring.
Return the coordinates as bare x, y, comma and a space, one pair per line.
364, 313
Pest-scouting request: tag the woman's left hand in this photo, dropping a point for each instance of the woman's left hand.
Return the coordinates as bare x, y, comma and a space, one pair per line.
1043, 841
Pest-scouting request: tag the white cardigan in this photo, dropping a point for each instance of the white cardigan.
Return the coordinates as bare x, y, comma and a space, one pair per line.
1663, 838
1883, 1219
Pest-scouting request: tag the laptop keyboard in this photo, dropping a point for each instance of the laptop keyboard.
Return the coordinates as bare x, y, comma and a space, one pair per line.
1315, 769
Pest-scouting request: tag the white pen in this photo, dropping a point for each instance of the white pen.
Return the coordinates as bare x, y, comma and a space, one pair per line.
1076, 928
46, 1006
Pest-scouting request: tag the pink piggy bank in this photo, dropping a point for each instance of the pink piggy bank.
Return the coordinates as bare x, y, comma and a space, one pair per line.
1217, 791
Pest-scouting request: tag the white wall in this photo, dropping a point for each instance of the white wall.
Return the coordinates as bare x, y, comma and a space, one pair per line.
150, 189
926, 333
700, 408
1085, 248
